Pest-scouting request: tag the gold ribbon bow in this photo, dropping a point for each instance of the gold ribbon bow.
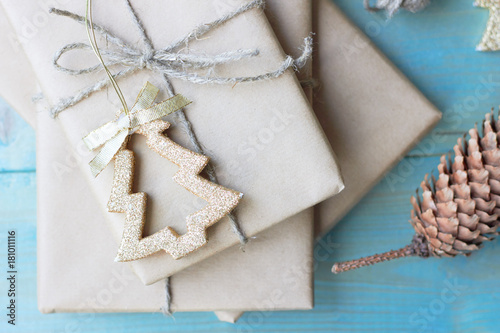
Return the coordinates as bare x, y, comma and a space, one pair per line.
113, 134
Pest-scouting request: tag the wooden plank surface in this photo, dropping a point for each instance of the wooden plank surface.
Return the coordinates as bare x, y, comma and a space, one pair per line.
435, 49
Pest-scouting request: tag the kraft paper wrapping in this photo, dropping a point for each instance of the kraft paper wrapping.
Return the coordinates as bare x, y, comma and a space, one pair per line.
237, 280
284, 176
370, 129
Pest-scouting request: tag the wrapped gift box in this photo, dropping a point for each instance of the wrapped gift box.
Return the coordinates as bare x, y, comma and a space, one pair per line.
226, 120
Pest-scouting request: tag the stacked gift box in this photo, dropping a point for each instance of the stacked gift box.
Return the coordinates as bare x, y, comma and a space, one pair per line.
300, 167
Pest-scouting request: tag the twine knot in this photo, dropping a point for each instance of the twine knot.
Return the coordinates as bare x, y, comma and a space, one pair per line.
147, 59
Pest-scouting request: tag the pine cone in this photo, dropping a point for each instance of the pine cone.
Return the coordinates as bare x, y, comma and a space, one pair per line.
459, 210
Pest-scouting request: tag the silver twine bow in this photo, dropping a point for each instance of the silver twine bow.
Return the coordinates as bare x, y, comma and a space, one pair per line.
169, 60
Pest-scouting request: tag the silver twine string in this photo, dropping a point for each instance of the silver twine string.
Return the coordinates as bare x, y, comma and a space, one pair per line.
166, 309
169, 60
392, 6
171, 63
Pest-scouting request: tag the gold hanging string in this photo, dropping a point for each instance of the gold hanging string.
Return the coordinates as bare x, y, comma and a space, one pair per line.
89, 24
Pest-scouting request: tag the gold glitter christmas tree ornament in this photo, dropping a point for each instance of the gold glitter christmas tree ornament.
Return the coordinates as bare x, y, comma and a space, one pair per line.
491, 37
220, 199
144, 119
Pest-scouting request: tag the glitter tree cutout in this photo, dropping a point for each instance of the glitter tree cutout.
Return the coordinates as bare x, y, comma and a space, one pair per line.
491, 36
221, 200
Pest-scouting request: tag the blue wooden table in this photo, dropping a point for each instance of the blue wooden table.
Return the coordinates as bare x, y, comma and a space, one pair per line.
435, 49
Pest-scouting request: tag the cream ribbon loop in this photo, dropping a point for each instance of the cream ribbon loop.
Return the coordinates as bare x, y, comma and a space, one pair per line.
113, 134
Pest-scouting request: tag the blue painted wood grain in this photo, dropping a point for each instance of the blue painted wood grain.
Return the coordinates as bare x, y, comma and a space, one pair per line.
435, 49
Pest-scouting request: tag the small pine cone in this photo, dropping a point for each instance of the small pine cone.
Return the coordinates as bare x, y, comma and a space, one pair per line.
461, 209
